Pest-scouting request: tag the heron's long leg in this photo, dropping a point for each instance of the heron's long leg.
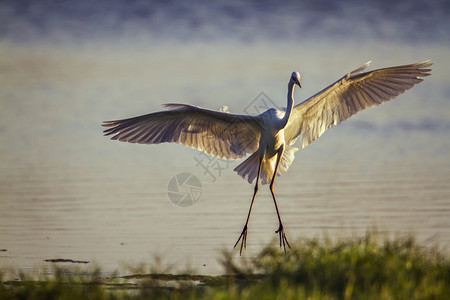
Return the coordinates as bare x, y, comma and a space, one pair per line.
243, 235
280, 231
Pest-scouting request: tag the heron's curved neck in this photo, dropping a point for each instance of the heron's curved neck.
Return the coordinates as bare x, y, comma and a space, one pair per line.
290, 104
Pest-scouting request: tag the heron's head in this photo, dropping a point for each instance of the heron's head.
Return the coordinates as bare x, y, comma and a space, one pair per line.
295, 78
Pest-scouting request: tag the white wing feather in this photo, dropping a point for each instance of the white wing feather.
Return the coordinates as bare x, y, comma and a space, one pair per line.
352, 93
221, 134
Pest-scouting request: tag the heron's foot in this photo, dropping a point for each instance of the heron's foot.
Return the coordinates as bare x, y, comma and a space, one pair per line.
283, 239
243, 239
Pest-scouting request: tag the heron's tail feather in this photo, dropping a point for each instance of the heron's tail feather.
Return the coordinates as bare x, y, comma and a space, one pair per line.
248, 169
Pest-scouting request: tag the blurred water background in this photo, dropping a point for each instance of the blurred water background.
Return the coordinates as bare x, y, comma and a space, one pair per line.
68, 192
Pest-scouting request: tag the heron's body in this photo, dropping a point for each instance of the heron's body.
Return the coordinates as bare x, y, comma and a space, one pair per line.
269, 137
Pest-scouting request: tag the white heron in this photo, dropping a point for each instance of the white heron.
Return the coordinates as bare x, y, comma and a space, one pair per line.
269, 137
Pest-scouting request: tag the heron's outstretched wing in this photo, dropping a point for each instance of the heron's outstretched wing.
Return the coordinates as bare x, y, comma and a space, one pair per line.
221, 134
352, 93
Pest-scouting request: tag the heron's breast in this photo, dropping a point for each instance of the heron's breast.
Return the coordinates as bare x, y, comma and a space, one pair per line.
273, 141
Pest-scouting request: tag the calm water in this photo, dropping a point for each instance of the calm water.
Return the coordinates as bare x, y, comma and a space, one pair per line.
68, 192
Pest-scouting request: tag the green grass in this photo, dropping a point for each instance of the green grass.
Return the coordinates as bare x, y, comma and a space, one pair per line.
364, 268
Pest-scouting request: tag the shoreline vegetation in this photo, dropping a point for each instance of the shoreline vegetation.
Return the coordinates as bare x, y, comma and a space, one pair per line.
369, 267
